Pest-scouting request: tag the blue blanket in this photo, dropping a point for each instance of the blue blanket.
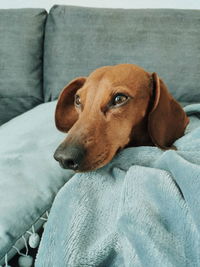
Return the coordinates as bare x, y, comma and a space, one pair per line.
142, 209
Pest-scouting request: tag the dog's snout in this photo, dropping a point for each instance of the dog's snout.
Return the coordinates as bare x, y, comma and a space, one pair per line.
70, 156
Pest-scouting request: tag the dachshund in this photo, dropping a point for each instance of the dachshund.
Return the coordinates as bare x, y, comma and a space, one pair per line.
113, 108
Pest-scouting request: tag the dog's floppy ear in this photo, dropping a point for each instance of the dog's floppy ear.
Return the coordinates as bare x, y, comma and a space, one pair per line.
167, 120
66, 114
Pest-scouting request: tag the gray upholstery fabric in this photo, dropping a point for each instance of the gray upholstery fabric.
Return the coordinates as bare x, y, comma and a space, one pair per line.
79, 40
21, 60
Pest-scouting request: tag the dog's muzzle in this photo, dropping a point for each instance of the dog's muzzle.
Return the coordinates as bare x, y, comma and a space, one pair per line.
70, 156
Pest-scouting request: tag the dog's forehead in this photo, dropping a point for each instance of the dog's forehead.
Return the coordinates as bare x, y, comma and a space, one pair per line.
118, 75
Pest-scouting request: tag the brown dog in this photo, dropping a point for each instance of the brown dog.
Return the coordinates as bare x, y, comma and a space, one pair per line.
115, 107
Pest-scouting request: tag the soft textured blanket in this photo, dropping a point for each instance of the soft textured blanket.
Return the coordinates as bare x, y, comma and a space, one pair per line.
142, 209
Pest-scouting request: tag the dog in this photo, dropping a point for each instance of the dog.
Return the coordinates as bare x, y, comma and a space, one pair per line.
113, 108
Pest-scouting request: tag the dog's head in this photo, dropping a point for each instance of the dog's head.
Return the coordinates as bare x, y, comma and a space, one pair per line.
115, 107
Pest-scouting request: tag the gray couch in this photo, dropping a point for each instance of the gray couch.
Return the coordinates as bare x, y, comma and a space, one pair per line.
39, 54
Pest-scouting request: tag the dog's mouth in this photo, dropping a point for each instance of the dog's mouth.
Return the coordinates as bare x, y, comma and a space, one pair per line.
94, 165
100, 162
84, 163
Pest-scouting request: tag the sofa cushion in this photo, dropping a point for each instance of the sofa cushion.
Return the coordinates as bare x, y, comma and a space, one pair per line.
29, 175
78, 40
21, 60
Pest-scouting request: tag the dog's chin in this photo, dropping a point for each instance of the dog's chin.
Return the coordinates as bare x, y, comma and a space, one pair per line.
90, 168
87, 167
93, 166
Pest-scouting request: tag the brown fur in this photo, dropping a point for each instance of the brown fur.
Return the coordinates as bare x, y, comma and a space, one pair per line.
151, 116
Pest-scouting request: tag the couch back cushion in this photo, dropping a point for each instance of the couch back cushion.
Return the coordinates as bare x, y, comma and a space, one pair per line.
78, 40
21, 60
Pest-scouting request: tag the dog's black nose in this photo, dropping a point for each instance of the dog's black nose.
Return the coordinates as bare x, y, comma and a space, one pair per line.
70, 156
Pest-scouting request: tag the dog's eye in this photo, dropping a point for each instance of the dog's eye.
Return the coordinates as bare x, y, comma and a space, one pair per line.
119, 99
77, 101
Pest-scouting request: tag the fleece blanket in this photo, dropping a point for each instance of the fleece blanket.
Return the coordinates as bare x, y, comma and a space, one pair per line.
142, 209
